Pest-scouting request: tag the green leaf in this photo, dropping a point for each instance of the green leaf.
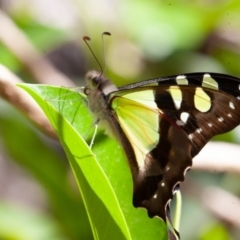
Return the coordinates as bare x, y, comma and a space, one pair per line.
105, 181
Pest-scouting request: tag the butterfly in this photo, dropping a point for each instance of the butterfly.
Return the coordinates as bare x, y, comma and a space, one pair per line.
162, 124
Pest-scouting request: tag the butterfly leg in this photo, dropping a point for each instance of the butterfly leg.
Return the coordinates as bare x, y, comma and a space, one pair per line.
94, 134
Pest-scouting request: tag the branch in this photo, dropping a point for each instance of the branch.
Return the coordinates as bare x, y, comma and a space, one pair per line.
219, 157
15, 40
42, 71
23, 101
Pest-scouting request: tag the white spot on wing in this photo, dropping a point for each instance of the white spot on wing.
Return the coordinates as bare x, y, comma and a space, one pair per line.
229, 114
181, 80
231, 105
184, 116
163, 184
209, 82
220, 119
199, 130
210, 124
155, 196
180, 123
190, 136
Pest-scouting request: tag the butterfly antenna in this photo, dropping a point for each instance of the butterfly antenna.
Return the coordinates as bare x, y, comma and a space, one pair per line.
86, 39
103, 47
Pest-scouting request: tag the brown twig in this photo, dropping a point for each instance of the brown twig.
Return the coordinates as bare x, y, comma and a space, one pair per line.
219, 157
42, 71
22, 100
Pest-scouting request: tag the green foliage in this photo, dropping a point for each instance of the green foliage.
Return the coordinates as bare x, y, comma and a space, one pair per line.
26, 225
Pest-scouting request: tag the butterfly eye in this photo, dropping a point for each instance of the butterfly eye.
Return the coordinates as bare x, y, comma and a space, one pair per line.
95, 81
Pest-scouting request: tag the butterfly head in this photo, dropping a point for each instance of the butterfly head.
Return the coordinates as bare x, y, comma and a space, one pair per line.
97, 88
96, 82
93, 81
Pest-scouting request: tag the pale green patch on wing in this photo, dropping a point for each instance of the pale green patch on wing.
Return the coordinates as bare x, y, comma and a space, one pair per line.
201, 100
209, 82
138, 116
145, 97
176, 94
181, 80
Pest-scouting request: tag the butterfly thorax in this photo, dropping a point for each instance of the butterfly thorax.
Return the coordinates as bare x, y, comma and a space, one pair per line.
97, 89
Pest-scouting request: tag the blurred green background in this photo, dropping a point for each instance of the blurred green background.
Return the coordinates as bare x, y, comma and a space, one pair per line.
38, 195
